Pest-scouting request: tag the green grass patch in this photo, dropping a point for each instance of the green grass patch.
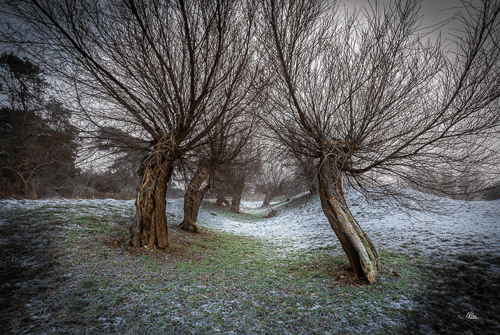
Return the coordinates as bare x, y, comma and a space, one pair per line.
215, 282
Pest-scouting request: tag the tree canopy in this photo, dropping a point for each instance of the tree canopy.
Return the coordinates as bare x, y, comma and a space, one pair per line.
37, 139
354, 98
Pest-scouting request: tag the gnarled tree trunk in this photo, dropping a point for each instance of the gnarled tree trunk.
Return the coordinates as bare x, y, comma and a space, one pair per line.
150, 223
357, 245
193, 197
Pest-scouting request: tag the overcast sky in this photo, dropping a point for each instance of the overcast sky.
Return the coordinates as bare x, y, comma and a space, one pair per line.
434, 12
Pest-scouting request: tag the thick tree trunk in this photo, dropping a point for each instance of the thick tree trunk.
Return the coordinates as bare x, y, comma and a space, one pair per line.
150, 223
193, 197
237, 193
357, 245
266, 202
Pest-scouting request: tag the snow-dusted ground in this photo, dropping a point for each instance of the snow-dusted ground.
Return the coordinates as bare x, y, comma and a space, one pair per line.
468, 227
462, 227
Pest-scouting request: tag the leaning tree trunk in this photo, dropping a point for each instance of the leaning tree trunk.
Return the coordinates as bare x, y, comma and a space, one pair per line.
357, 245
193, 197
150, 223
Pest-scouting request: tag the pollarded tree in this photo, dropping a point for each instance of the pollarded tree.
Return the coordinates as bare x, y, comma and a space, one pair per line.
222, 147
305, 171
242, 171
376, 105
272, 181
301, 169
166, 71
230, 180
194, 194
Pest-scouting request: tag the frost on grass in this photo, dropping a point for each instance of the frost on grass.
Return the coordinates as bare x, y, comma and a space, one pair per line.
260, 287
462, 227
468, 227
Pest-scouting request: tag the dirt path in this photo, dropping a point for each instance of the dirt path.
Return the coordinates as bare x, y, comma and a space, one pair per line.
26, 269
463, 297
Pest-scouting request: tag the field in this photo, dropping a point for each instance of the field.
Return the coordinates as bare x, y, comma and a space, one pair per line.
67, 268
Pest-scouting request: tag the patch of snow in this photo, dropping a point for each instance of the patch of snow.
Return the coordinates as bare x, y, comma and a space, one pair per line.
315, 308
462, 227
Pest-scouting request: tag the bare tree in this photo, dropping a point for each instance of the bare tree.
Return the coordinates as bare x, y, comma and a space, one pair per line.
379, 107
195, 192
166, 72
225, 144
230, 180
220, 189
242, 172
273, 180
300, 169
304, 172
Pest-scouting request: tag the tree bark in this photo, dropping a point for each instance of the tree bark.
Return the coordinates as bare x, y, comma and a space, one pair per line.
193, 197
24, 188
266, 202
237, 193
357, 245
221, 200
150, 223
